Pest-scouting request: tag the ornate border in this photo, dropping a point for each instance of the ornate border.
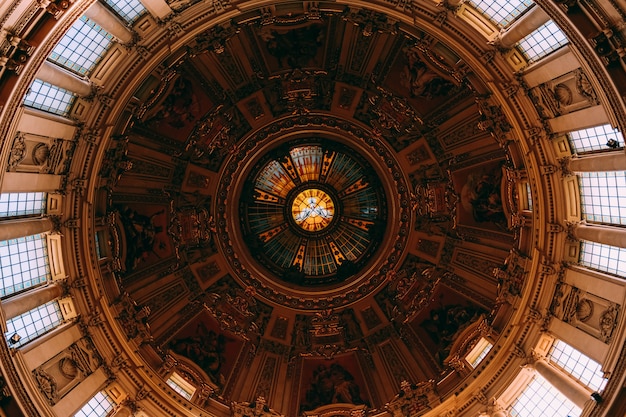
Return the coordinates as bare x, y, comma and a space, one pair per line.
363, 285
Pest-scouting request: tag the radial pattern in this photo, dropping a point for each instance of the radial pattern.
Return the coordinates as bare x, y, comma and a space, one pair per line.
313, 213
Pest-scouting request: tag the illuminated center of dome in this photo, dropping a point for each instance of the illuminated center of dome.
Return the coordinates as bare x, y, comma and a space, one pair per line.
313, 209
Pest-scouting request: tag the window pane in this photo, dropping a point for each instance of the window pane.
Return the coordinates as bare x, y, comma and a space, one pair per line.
585, 369
603, 196
129, 10
529, 197
595, 138
540, 398
33, 323
542, 41
47, 97
23, 263
502, 12
81, 47
178, 384
478, 353
604, 258
98, 406
22, 204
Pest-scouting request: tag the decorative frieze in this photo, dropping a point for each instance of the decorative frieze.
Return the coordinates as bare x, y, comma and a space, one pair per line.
593, 315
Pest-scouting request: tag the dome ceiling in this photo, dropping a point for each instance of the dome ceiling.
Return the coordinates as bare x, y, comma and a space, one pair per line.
298, 183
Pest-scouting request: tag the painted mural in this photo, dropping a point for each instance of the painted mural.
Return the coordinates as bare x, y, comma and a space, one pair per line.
414, 77
480, 193
145, 230
182, 104
333, 381
293, 47
444, 320
212, 349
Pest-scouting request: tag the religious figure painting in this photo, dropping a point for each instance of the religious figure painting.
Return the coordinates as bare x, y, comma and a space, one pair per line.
204, 343
179, 108
423, 82
444, 320
145, 230
480, 190
293, 47
332, 381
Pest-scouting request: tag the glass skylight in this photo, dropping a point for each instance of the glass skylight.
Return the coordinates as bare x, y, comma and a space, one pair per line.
23, 263
33, 323
502, 12
580, 366
82, 46
594, 138
98, 406
178, 384
22, 204
47, 97
541, 42
129, 10
603, 196
603, 257
540, 398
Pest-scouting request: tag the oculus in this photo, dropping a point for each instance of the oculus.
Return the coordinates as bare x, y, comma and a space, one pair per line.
313, 212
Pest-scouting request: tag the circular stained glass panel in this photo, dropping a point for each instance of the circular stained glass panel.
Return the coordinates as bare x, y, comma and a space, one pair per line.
313, 209
313, 213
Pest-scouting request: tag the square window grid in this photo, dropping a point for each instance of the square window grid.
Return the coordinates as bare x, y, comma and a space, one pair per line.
129, 10
606, 258
23, 263
541, 42
33, 323
540, 398
580, 366
603, 196
82, 46
594, 138
502, 12
47, 97
22, 204
178, 389
98, 406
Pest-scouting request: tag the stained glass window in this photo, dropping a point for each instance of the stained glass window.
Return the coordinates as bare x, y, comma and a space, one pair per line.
313, 211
